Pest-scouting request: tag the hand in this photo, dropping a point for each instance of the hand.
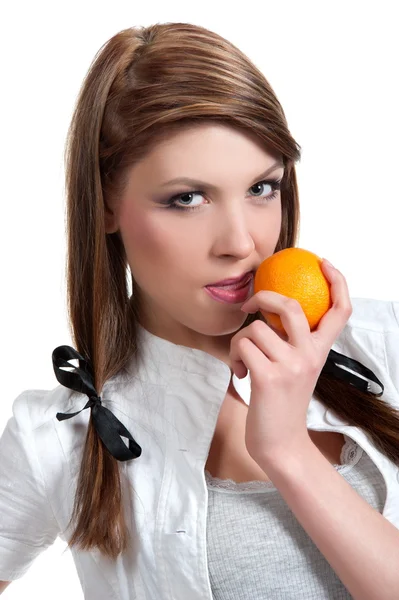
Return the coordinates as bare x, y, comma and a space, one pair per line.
284, 369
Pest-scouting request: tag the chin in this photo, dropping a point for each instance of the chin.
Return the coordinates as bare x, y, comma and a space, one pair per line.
228, 325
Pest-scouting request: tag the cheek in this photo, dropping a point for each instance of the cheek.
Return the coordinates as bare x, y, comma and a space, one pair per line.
150, 240
268, 229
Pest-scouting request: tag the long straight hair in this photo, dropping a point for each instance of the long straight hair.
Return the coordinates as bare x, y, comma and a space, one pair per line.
144, 84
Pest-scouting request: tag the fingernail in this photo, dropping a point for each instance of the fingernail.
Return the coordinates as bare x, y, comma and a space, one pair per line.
327, 262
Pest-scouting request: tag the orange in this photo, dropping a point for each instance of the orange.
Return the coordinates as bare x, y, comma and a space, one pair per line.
296, 273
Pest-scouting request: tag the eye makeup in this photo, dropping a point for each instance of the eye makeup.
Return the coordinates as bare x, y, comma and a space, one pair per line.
171, 203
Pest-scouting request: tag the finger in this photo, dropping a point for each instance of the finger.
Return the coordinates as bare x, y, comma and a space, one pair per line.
260, 334
335, 319
251, 355
281, 334
289, 310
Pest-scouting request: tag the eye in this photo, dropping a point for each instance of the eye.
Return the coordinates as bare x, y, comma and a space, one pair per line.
186, 197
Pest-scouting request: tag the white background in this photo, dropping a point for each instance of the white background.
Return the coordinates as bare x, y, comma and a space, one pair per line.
333, 67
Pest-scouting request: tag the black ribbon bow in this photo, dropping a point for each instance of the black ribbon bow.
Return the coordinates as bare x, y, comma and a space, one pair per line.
108, 427
333, 365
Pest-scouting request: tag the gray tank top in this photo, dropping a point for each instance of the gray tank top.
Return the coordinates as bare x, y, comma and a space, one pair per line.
257, 550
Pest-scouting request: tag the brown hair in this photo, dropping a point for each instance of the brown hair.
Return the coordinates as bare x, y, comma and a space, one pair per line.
144, 84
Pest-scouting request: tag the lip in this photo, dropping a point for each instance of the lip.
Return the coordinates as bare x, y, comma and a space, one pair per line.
240, 281
231, 294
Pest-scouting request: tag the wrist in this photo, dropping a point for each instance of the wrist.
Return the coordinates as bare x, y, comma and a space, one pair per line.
288, 458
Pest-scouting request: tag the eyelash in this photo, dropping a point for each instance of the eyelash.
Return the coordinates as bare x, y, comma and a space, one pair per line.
274, 183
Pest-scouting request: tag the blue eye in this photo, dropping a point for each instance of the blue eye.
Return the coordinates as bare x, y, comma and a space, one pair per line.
275, 184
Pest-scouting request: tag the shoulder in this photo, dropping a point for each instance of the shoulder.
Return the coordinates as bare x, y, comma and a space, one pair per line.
371, 336
34, 408
374, 314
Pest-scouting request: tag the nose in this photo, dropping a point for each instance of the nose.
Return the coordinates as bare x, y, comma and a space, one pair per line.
234, 237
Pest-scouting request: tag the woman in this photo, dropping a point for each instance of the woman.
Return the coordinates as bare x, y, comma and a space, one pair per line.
222, 460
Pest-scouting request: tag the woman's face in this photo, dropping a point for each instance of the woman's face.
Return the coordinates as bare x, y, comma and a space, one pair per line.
173, 254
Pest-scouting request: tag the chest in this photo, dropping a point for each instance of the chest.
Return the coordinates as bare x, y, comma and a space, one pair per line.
228, 457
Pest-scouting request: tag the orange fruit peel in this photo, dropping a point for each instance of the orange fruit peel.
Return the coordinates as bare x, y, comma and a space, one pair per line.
295, 273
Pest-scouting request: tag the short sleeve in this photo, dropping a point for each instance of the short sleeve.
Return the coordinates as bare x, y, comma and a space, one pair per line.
27, 523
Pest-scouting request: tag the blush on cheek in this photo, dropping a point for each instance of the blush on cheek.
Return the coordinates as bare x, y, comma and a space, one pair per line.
140, 240
149, 242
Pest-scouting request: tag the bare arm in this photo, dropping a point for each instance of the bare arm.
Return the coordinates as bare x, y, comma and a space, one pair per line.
3, 585
360, 544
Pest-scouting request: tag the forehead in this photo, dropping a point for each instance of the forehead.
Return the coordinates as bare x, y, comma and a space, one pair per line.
211, 152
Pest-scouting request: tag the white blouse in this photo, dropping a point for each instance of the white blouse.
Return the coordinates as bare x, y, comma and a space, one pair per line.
169, 398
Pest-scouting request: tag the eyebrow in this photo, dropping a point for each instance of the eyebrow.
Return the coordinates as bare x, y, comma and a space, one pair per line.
204, 184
